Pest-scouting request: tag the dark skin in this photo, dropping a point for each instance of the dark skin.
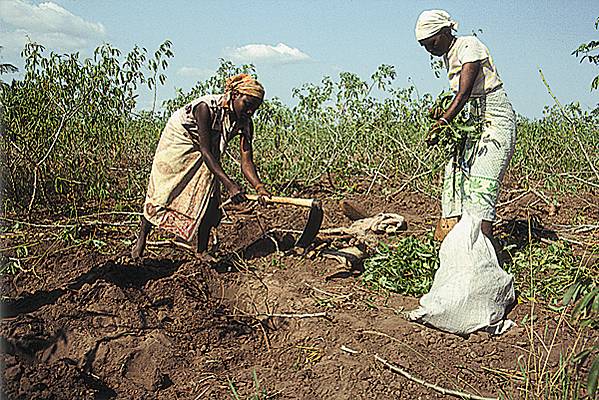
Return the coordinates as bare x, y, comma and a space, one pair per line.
243, 107
438, 45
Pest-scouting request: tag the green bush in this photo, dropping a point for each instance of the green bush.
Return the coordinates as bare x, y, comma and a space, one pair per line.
66, 126
71, 134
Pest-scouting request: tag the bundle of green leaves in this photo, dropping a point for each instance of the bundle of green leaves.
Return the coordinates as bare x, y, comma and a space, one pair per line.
466, 126
407, 267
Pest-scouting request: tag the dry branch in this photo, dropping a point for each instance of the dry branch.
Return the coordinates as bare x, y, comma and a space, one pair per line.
439, 389
66, 226
347, 349
314, 315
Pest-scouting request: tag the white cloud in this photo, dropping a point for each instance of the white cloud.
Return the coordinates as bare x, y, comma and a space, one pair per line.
195, 73
279, 54
48, 24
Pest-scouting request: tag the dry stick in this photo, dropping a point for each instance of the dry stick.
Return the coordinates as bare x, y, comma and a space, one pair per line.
34, 188
562, 317
407, 149
413, 178
14, 221
581, 180
317, 157
571, 227
502, 372
201, 395
349, 350
424, 358
327, 293
564, 365
583, 229
586, 156
541, 196
315, 315
532, 305
20, 245
439, 389
171, 242
111, 213
376, 173
266, 339
342, 150
102, 223
91, 223
40, 162
240, 263
505, 203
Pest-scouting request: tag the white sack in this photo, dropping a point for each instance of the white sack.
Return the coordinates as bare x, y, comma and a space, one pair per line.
470, 290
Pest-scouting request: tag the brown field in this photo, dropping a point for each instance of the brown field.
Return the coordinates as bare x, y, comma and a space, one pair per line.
93, 324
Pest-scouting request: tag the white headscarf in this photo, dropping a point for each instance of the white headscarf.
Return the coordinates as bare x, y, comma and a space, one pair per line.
430, 22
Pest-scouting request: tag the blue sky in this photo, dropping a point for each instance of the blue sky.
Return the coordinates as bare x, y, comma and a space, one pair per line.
295, 42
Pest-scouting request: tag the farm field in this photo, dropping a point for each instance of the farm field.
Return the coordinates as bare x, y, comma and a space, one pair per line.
90, 322
255, 318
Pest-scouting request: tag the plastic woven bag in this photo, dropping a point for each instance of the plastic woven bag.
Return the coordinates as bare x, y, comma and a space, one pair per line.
470, 290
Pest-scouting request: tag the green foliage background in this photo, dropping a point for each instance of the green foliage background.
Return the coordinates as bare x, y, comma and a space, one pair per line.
71, 134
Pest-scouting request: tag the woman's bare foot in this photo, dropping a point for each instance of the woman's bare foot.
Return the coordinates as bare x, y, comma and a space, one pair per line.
138, 249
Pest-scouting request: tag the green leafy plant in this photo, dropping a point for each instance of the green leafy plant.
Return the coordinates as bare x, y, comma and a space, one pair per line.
554, 274
466, 126
585, 298
588, 51
407, 268
593, 376
65, 124
155, 65
554, 268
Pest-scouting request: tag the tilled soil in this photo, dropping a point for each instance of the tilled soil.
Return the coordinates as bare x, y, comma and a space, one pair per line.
259, 319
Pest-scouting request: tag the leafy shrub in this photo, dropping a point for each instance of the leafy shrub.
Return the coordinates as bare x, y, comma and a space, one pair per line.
65, 124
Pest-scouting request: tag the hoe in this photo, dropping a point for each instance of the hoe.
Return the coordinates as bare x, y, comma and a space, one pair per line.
314, 217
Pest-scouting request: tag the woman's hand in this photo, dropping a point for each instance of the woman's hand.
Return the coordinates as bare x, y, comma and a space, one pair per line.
436, 112
263, 193
236, 193
435, 132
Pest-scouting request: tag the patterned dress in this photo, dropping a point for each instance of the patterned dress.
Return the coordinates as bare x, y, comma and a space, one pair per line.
473, 183
181, 187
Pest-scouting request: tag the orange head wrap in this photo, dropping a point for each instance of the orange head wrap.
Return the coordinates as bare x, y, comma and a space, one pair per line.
243, 84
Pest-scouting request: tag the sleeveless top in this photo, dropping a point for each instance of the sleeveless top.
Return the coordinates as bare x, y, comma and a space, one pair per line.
221, 125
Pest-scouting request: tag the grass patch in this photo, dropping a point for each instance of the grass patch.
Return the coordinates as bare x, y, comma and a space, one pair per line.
260, 393
545, 272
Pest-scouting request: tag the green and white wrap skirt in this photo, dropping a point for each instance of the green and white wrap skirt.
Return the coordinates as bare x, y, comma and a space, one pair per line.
472, 183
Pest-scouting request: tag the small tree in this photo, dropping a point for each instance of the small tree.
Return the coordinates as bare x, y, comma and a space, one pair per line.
590, 52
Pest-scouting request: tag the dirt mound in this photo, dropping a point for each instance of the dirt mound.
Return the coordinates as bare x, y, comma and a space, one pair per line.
135, 328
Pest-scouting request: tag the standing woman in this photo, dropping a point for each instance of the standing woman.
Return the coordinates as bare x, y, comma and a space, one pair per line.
184, 189
472, 184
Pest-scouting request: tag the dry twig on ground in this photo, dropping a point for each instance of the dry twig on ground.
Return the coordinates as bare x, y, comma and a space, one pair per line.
439, 389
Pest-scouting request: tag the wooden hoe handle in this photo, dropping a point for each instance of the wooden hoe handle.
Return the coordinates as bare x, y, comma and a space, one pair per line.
286, 200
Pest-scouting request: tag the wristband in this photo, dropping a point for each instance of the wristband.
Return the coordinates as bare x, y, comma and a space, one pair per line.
444, 120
